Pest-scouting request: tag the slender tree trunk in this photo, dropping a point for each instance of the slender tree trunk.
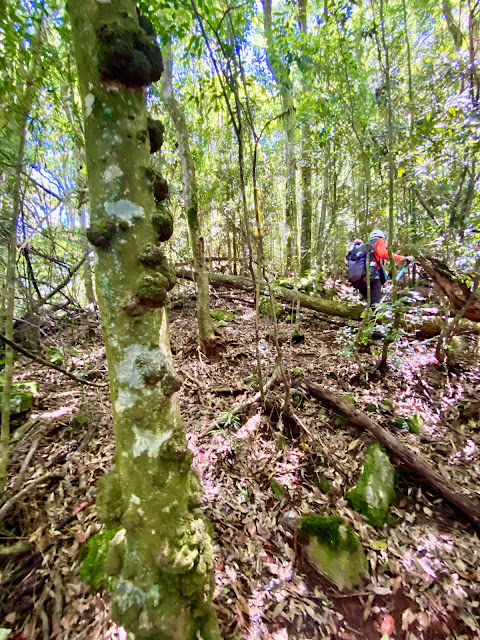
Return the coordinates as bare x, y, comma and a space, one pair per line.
160, 560
391, 174
306, 168
324, 206
206, 332
10, 273
282, 78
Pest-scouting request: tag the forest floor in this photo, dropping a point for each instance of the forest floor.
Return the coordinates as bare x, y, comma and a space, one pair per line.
424, 563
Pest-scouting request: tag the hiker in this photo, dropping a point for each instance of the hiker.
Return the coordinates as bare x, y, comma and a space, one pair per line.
357, 259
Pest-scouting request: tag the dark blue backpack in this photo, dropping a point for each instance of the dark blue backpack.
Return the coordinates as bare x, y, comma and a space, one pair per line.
357, 262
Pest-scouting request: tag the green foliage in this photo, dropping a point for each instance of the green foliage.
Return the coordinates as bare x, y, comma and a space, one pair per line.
265, 308
221, 315
321, 482
415, 423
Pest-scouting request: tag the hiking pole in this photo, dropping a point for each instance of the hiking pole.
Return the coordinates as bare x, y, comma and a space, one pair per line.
398, 277
401, 273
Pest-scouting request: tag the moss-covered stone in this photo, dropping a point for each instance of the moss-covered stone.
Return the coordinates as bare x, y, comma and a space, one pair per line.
162, 221
100, 234
265, 308
20, 401
24, 385
92, 569
376, 489
128, 55
221, 315
334, 550
156, 132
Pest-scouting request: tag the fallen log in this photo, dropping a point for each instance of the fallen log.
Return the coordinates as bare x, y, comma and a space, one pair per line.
426, 327
329, 307
455, 290
422, 470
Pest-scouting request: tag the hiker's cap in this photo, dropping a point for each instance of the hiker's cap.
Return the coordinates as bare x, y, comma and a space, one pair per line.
377, 233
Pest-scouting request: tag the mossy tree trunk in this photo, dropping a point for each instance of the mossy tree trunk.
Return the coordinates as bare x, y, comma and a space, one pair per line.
11, 266
206, 331
159, 563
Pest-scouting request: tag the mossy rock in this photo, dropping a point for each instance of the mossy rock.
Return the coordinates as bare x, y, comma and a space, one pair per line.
97, 547
334, 550
221, 316
375, 490
25, 385
20, 401
265, 308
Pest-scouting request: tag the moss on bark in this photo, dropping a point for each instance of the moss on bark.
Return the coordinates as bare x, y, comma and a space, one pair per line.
160, 561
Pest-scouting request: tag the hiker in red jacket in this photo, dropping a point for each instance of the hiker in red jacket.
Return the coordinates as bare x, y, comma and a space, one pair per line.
356, 261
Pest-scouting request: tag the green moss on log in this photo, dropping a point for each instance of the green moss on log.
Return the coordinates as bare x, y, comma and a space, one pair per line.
221, 315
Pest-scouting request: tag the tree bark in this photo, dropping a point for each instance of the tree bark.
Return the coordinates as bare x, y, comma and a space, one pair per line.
455, 290
160, 562
282, 79
306, 163
421, 469
206, 332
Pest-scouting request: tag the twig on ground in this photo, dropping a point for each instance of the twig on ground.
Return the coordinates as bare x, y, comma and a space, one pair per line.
14, 549
46, 363
23, 469
11, 501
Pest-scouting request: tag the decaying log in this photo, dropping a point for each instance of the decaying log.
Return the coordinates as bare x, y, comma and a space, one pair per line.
422, 327
402, 455
455, 290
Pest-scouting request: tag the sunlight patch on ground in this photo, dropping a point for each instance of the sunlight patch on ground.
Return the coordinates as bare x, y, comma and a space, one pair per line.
57, 413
